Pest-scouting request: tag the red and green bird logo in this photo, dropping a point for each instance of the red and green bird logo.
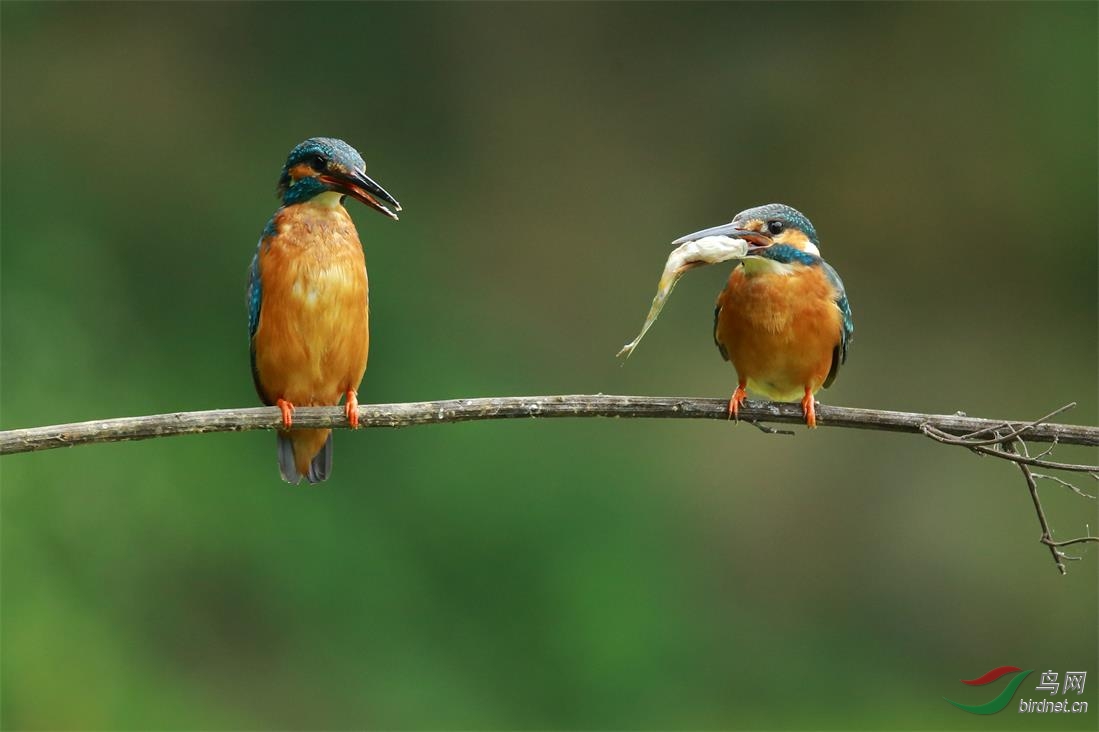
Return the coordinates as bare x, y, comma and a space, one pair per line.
1002, 699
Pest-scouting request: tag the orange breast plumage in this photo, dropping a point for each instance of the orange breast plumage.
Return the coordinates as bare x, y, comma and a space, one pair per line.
780, 331
312, 336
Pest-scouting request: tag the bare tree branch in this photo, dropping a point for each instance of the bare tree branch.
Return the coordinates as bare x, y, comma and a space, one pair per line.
1006, 441
465, 410
981, 448
1010, 446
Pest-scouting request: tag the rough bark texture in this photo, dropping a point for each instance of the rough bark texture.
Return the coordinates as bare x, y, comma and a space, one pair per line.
539, 407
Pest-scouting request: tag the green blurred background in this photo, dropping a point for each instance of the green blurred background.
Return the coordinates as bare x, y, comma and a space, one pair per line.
571, 574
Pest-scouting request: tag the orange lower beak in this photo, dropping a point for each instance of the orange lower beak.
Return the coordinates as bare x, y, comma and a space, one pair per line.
362, 187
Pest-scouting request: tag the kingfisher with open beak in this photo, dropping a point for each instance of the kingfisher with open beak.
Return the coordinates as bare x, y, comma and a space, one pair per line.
307, 298
783, 318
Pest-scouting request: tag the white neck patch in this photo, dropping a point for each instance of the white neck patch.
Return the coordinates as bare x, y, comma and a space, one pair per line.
328, 199
759, 265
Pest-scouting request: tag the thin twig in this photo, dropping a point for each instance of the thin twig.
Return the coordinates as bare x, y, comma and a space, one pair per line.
1014, 433
1081, 540
980, 447
768, 430
1032, 486
1065, 483
464, 410
1036, 463
1047, 451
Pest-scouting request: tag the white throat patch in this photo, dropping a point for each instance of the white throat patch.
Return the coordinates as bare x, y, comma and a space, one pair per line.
759, 265
328, 199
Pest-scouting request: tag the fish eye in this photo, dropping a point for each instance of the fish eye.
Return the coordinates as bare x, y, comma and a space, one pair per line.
775, 227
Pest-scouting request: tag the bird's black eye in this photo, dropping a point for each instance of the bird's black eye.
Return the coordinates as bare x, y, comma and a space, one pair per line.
318, 162
775, 227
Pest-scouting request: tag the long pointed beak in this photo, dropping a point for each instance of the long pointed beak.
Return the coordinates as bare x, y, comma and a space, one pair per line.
757, 239
362, 187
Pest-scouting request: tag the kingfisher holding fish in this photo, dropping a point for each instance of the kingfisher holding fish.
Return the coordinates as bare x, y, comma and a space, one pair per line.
783, 318
308, 298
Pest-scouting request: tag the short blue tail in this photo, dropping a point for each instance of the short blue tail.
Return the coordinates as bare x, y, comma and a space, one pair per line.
319, 469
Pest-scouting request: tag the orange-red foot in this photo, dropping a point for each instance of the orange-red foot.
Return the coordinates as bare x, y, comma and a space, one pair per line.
739, 396
351, 409
808, 405
287, 410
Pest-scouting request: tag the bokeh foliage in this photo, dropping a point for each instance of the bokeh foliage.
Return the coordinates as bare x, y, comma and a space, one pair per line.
582, 574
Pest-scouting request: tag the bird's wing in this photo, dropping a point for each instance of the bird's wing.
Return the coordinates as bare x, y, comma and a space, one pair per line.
255, 301
717, 341
847, 325
721, 347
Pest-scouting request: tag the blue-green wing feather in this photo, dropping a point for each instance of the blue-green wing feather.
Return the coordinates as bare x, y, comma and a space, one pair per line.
847, 326
255, 302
